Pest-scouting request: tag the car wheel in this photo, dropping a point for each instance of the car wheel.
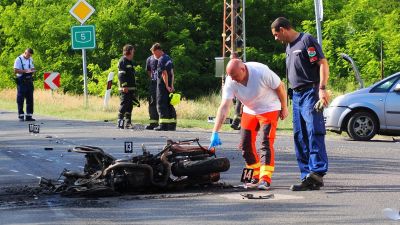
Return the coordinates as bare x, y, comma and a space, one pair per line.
362, 126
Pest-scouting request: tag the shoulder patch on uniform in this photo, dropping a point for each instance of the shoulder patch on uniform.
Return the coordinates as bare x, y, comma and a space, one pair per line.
311, 52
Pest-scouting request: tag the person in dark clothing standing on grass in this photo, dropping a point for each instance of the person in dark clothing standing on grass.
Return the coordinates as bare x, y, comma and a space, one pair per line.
151, 67
24, 69
165, 86
308, 73
127, 87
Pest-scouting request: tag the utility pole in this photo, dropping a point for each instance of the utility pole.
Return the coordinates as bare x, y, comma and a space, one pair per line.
234, 33
234, 43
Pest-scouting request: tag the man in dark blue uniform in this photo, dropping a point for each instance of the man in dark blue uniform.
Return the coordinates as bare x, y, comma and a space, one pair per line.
127, 87
24, 69
151, 67
308, 73
165, 86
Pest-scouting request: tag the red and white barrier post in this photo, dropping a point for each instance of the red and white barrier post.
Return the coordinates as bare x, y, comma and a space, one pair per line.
108, 90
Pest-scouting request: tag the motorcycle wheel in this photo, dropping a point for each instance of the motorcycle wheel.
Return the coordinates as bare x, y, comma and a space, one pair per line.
200, 167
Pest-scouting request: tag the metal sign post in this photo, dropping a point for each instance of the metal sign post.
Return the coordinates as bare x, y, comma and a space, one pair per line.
83, 37
85, 91
318, 19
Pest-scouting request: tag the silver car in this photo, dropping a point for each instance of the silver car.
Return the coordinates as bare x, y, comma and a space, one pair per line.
368, 111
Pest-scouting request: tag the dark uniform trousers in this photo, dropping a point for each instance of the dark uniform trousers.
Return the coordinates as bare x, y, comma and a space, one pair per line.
166, 112
126, 105
153, 103
25, 91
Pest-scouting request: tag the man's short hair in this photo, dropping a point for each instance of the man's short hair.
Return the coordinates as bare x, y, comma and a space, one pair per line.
155, 46
127, 49
29, 50
281, 22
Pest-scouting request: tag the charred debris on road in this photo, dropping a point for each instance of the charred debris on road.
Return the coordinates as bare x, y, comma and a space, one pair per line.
177, 166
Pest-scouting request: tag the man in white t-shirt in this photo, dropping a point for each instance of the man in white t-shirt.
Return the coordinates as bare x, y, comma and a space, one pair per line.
24, 70
263, 95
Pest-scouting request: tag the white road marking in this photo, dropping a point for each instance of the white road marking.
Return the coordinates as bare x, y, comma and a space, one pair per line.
49, 160
15, 171
68, 163
34, 156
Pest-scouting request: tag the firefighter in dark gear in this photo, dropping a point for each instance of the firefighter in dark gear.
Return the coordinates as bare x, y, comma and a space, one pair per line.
24, 69
165, 86
127, 87
151, 67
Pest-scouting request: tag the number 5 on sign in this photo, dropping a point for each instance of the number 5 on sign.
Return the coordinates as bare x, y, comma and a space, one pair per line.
83, 37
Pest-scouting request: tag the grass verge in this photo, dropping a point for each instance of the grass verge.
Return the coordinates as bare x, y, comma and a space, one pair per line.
191, 113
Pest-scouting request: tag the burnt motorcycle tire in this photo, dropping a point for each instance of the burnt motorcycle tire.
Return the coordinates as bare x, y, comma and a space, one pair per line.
200, 167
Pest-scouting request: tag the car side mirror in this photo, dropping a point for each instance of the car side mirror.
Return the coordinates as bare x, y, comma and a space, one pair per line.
397, 88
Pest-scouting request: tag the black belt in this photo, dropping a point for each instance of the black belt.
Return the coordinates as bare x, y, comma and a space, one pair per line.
304, 87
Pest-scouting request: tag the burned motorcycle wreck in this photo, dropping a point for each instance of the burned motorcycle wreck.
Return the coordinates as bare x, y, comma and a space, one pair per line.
178, 165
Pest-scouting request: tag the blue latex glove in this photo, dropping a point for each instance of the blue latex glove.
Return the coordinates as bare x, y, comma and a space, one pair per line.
214, 140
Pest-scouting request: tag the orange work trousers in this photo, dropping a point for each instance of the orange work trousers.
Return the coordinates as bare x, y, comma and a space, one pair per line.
263, 164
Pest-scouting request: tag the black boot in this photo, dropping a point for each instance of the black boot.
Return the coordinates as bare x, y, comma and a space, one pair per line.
162, 127
128, 121
128, 125
313, 181
21, 118
151, 126
305, 185
29, 118
236, 123
316, 179
172, 126
120, 123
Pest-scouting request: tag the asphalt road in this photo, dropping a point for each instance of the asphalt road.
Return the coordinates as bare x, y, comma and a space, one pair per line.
364, 178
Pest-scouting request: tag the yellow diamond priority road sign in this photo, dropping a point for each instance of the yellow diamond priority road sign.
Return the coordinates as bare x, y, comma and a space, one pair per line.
82, 11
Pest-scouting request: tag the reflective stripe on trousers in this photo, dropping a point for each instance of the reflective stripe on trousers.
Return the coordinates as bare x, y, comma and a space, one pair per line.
126, 104
166, 111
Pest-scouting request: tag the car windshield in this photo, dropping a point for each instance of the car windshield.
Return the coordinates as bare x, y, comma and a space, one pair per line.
385, 86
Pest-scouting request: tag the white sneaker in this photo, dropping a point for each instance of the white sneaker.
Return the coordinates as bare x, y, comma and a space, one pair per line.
264, 185
252, 185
